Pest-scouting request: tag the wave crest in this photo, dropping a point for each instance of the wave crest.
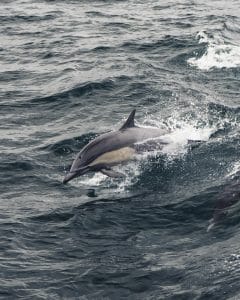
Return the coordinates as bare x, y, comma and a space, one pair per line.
218, 54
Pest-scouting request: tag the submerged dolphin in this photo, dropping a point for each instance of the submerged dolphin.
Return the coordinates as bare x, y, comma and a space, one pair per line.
226, 198
112, 148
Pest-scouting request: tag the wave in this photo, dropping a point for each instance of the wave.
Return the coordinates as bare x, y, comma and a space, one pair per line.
68, 146
166, 42
55, 216
217, 55
26, 18
81, 90
17, 166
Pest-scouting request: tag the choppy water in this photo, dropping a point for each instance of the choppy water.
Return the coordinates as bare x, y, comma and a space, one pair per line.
73, 69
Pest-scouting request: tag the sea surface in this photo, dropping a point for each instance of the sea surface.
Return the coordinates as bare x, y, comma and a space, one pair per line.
71, 70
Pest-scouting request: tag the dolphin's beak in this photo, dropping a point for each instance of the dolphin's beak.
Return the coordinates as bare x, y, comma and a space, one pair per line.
72, 174
69, 177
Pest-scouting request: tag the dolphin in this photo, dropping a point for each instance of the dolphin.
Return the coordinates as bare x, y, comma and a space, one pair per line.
114, 148
226, 198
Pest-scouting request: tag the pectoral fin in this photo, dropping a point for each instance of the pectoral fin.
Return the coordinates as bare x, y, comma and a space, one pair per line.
112, 173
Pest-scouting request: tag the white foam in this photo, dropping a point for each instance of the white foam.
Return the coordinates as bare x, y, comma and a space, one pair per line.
181, 131
180, 137
234, 169
218, 54
96, 180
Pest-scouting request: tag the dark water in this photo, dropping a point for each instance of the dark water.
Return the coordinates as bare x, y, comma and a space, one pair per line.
73, 69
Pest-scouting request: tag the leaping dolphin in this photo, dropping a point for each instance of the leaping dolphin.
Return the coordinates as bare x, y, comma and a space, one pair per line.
112, 148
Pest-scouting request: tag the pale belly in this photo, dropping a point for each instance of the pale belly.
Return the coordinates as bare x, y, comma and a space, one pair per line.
115, 157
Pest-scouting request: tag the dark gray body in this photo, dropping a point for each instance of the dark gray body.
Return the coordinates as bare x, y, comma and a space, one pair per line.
122, 142
225, 199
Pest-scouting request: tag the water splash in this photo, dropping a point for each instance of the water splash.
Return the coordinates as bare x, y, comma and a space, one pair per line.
179, 139
217, 55
234, 170
182, 130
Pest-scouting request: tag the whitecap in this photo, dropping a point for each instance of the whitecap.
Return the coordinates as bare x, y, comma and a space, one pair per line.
217, 55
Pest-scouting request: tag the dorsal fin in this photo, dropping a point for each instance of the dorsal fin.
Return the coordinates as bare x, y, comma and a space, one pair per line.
130, 121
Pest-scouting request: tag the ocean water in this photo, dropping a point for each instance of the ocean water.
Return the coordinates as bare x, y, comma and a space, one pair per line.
71, 70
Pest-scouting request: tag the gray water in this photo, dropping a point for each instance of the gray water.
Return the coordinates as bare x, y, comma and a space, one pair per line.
71, 70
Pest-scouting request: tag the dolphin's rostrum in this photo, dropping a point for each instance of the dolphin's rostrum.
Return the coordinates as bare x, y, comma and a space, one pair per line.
112, 148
